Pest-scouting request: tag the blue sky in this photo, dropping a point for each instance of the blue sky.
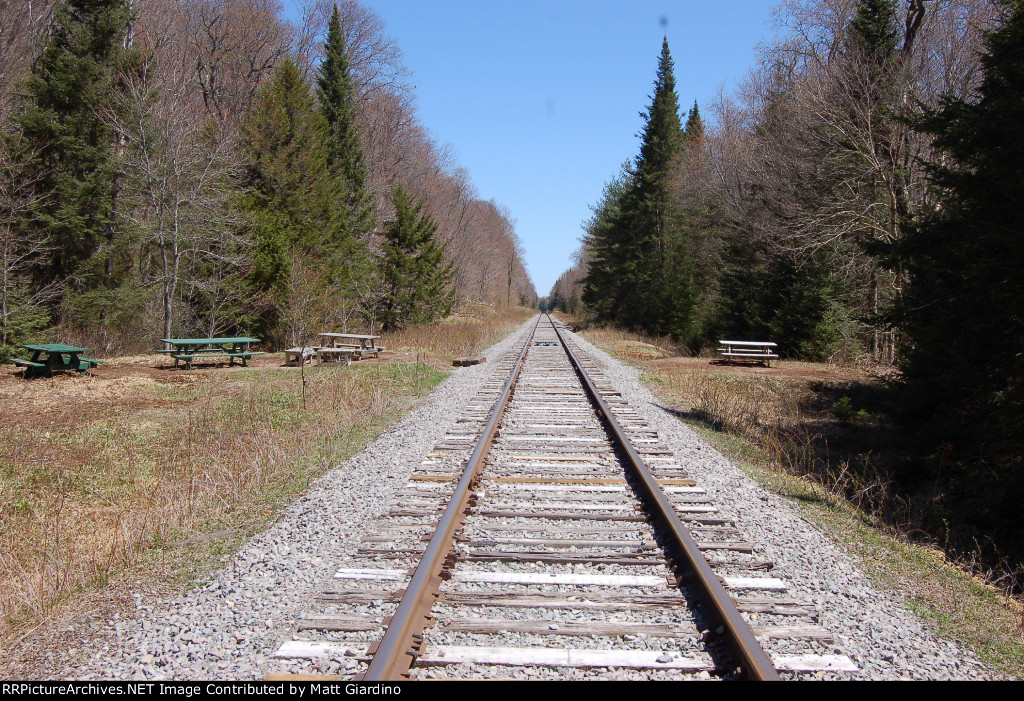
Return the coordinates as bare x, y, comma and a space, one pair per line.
540, 101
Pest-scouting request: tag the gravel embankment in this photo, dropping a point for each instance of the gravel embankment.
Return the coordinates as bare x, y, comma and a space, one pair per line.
229, 627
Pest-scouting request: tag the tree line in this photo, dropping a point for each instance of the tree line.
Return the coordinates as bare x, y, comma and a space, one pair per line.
205, 167
858, 197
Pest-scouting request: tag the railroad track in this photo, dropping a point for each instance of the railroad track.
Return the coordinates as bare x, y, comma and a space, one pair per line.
552, 535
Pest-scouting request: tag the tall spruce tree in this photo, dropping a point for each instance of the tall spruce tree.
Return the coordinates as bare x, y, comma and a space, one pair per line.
336, 91
875, 28
417, 281
640, 269
295, 203
70, 86
655, 279
602, 290
694, 127
963, 371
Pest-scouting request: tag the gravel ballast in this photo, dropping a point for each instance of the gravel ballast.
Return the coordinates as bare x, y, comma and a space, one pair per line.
230, 627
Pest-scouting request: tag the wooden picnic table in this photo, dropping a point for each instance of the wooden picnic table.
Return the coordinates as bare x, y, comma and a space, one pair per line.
359, 345
762, 351
52, 357
334, 348
188, 349
364, 343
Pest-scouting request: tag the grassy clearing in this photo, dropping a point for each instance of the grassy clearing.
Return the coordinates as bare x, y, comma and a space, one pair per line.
813, 434
173, 469
88, 497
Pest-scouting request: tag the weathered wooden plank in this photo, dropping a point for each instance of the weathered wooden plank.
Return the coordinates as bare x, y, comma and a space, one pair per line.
624, 559
339, 623
576, 516
564, 543
595, 601
553, 515
361, 596
554, 657
555, 458
493, 626
813, 663
760, 583
548, 505
810, 632
777, 607
308, 649
609, 485
566, 578
367, 573
485, 531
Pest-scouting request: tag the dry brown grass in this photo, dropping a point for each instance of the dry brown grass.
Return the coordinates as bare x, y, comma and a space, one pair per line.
97, 472
632, 345
466, 333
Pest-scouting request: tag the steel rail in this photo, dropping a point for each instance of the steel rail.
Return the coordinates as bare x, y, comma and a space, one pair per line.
755, 663
396, 650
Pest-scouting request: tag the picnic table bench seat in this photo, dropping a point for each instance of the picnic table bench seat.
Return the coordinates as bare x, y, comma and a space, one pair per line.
27, 363
341, 355
200, 354
191, 356
738, 354
299, 355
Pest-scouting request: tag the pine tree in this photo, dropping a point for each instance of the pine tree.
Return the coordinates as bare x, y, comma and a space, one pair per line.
638, 269
337, 102
655, 284
875, 29
963, 371
417, 281
295, 203
603, 234
694, 127
62, 121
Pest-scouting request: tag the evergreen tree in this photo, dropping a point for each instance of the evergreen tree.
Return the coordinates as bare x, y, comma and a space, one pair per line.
345, 154
602, 286
649, 295
694, 127
71, 84
417, 281
639, 268
963, 371
295, 204
875, 29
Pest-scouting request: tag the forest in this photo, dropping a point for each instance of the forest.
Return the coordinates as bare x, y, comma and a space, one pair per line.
207, 168
857, 199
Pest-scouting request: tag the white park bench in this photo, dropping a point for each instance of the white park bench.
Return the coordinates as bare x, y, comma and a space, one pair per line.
762, 351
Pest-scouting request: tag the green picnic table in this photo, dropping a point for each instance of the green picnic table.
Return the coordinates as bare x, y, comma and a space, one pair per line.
188, 349
51, 357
